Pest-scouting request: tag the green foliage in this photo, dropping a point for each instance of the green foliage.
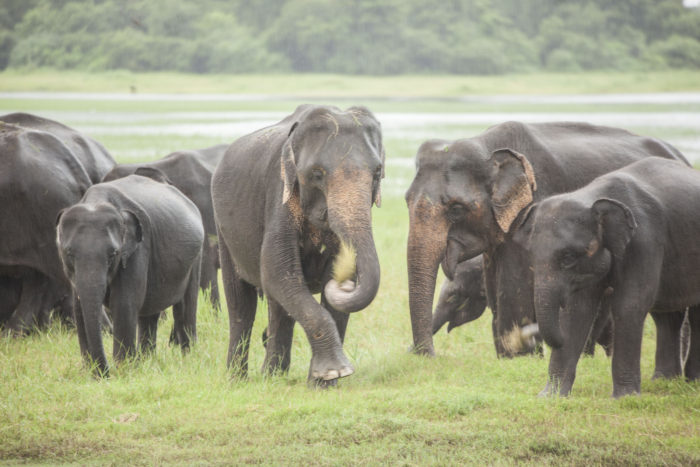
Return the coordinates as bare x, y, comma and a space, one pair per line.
357, 37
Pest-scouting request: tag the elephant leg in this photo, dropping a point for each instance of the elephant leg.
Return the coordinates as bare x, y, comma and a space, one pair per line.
148, 331
125, 325
341, 319
29, 306
668, 344
692, 362
280, 331
208, 279
242, 301
627, 346
185, 312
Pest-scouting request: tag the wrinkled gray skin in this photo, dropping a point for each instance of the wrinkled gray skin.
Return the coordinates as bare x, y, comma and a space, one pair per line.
134, 245
629, 237
467, 194
190, 172
47, 167
284, 197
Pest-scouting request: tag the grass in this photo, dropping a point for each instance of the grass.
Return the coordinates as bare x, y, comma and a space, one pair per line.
464, 406
326, 85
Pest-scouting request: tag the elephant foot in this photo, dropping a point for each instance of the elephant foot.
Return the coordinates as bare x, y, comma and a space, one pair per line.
422, 350
666, 373
625, 391
554, 389
322, 384
327, 369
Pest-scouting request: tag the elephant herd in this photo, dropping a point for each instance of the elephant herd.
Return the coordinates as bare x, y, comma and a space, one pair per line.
570, 233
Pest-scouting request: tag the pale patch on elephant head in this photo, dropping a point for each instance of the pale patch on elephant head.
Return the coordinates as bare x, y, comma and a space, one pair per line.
349, 199
513, 186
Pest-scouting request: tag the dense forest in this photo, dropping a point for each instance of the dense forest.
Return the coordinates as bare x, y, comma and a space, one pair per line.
350, 36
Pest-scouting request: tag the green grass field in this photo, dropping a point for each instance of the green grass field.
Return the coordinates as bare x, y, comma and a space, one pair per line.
464, 406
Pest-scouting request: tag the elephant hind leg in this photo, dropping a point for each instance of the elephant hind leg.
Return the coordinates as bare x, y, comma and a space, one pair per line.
185, 312
278, 339
692, 363
29, 309
242, 301
148, 329
668, 344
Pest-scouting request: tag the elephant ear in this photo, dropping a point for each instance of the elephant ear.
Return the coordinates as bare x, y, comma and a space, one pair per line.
512, 187
523, 228
617, 224
132, 235
377, 192
153, 174
288, 167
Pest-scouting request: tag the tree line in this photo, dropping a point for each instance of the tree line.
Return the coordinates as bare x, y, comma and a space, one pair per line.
350, 36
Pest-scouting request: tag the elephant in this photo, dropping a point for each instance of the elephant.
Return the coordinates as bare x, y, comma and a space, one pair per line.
190, 171
467, 194
44, 172
292, 204
96, 160
628, 238
463, 300
133, 245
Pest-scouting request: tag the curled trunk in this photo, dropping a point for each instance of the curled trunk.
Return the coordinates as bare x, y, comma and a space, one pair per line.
350, 217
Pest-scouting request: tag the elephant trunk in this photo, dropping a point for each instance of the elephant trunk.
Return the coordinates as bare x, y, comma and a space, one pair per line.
548, 301
350, 217
90, 290
440, 317
427, 239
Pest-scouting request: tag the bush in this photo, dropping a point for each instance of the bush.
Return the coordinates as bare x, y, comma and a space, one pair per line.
679, 51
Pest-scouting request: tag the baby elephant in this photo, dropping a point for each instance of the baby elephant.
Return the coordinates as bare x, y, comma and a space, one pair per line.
463, 298
134, 245
629, 238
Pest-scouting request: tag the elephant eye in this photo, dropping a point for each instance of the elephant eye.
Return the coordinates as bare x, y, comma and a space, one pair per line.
317, 174
568, 259
456, 212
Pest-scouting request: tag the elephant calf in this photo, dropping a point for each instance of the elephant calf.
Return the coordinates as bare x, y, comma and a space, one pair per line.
190, 172
134, 245
630, 238
462, 299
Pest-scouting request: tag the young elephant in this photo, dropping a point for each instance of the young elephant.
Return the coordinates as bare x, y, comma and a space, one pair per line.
285, 199
134, 245
462, 299
190, 171
630, 238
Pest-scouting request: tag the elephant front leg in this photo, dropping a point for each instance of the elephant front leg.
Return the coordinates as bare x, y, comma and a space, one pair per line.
280, 332
692, 363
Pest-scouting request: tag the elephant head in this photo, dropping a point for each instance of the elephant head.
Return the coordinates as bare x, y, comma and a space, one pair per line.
94, 242
332, 163
463, 201
575, 247
462, 299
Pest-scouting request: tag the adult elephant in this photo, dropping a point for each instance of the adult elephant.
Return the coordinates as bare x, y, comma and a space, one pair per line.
285, 199
92, 155
48, 166
190, 171
467, 194
630, 238
135, 246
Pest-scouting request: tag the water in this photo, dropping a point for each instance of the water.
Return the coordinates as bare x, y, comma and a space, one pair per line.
151, 133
